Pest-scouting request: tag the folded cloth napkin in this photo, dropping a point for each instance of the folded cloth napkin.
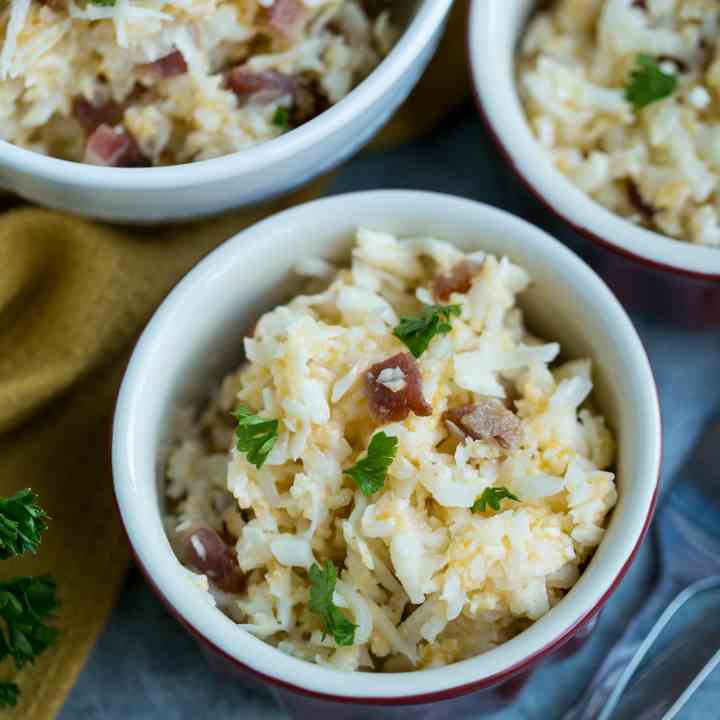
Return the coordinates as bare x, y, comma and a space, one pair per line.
74, 296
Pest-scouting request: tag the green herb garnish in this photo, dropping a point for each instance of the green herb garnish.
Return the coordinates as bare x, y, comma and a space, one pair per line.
254, 435
282, 118
492, 496
322, 587
25, 602
104, 3
9, 692
417, 332
648, 83
369, 473
22, 522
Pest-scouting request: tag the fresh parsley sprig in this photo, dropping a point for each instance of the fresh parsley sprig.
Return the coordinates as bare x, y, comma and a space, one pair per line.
648, 83
322, 587
492, 496
369, 473
25, 602
22, 522
9, 693
417, 331
104, 3
254, 435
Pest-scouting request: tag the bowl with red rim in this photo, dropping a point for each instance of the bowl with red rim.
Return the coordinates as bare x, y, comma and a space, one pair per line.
196, 336
207, 187
666, 278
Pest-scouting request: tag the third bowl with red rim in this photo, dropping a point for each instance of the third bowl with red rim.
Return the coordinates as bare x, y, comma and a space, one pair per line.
666, 278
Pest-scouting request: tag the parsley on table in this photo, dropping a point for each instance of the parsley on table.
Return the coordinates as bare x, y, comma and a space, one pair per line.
25, 602
254, 435
9, 692
369, 473
323, 581
417, 332
282, 118
22, 522
648, 83
492, 496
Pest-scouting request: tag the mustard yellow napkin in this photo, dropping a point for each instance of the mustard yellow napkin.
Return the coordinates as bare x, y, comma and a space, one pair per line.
74, 295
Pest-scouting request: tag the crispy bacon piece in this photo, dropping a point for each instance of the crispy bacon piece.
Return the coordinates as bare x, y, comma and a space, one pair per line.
91, 116
284, 18
244, 83
113, 147
485, 419
458, 279
204, 551
169, 65
388, 405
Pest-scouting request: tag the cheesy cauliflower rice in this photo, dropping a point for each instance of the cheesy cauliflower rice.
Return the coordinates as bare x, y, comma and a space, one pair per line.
656, 164
139, 82
426, 573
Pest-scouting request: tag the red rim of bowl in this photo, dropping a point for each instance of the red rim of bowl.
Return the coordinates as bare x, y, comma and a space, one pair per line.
581, 230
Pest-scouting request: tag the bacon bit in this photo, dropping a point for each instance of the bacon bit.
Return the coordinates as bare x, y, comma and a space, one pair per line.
113, 147
169, 65
245, 83
92, 116
487, 418
388, 406
284, 18
640, 4
204, 551
459, 279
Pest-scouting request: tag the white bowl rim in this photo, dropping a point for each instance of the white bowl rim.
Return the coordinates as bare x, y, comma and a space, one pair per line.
420, 30
549, 185
188, 604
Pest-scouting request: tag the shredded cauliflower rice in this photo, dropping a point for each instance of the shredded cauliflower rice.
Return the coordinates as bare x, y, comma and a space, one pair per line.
427, 578
140, 82
658, 165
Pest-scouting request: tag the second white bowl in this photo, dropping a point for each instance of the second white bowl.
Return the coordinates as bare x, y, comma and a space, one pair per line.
178, 192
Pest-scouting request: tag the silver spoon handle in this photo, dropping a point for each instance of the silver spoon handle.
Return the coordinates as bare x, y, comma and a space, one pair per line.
596, 698
602, 697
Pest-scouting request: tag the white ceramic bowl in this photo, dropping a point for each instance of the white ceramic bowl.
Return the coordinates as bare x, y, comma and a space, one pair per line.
141, 195
494, 30
196, 336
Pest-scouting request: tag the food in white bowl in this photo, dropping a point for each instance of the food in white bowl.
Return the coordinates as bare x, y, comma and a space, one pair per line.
170, 193
623, 97
128, 83
400, 476
196, 337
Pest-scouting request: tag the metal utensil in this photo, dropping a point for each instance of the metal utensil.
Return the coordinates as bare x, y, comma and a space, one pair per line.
686, 533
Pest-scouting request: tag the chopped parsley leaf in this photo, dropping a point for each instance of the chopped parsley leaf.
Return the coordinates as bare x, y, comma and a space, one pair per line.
417, 332
492, 496
323, 581
282, 118
648, 83
369, 473
254, 435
